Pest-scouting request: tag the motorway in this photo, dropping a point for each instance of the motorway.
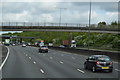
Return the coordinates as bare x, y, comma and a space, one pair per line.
27, 62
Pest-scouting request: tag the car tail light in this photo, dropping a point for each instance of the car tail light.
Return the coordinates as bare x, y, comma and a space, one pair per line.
97, 63
111, 63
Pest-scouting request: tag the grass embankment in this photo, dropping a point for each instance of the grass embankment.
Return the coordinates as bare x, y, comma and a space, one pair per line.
97, 40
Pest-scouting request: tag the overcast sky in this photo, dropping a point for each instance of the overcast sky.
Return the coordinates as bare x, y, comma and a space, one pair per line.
76, 11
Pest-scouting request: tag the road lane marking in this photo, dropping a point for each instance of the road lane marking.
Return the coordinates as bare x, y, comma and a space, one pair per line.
8, 53
73, 57
117, 70
34, 62
61, 62
51, 57
42, 71
62, 55
80, 71
26, 55
43, 54
29, 57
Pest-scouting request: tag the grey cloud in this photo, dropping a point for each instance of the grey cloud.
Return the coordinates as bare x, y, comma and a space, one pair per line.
76, 12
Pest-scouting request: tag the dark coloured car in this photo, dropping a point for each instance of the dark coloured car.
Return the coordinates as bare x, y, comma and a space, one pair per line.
43, 49
98, 63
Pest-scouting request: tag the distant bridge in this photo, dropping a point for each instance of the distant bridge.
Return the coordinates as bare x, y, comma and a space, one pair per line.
61, 27
17, 37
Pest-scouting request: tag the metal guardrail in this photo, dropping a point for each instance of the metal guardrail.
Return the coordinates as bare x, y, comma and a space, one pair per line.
42, 24
63, 26
112, 55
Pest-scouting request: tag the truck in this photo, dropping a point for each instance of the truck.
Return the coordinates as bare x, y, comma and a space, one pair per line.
66, 43
7, 42
73, 44
39, 43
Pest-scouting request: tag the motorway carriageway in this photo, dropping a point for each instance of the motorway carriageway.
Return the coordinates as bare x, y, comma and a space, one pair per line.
27, 62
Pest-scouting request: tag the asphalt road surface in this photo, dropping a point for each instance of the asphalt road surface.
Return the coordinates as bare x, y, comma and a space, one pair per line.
27, 62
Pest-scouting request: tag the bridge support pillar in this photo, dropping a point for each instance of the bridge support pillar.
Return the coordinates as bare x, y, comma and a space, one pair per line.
20, 40
70, 38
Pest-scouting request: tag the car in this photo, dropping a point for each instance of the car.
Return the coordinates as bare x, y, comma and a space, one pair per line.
50, 44
23, 45
13, 44
43, 49
62, 46
98, 63
29, 44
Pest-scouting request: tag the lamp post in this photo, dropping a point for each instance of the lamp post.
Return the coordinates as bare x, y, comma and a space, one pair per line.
89, 27
60, 15
45, 20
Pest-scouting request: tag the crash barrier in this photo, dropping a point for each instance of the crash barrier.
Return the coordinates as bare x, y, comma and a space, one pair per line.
113, 55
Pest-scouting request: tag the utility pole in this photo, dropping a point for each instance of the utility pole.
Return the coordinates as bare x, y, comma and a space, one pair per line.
89, 27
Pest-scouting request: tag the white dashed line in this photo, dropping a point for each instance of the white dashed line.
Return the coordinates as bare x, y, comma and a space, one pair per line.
73, 58
42, 71
80, 71
117, 70
61, 62
29, 57
38, 53
26, 55
34, 62
62, 55
43, 54
51, 57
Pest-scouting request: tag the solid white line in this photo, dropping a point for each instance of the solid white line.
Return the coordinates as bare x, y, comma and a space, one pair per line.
5, 59
61, 62
42, 71
117, 70
80, 71
34, 62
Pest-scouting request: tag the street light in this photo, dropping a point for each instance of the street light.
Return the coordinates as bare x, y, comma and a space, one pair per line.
45, 20
89, 26
60, 15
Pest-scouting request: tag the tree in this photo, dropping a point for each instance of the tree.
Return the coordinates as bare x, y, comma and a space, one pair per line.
114, 23
102, 24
